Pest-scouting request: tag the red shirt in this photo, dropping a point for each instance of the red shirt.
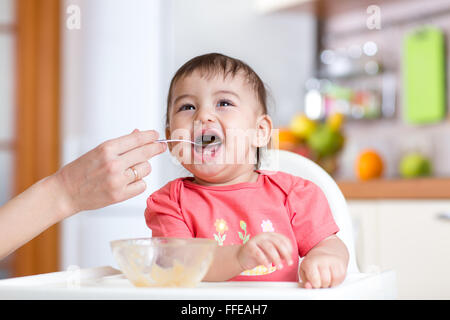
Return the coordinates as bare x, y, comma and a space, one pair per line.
276, 202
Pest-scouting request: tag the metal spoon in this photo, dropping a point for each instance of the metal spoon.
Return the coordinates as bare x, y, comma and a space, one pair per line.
202, 144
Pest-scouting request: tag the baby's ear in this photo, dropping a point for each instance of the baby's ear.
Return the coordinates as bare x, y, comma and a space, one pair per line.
263, 131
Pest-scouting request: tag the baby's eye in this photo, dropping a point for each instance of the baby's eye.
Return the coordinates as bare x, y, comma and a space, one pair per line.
186, 107
224, 103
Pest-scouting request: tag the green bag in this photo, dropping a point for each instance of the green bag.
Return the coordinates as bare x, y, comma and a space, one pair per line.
424, 76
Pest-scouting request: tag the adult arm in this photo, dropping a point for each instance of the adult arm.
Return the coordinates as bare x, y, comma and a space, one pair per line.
101, 177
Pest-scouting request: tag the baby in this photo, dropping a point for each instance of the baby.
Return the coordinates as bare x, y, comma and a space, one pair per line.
263, 221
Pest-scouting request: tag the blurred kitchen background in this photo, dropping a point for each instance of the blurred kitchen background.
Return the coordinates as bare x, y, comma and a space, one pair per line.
358, 86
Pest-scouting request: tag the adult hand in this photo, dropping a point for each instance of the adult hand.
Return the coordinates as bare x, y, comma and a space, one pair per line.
108, 174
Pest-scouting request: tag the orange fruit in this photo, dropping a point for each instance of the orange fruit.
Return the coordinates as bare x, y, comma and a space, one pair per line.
369, 165
286, 139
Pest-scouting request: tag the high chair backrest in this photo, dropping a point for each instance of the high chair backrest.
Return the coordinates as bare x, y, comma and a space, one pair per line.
292, 163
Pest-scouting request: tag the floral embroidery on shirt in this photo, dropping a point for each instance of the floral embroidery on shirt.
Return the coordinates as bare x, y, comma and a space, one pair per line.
221, 227
266, 226
244, 237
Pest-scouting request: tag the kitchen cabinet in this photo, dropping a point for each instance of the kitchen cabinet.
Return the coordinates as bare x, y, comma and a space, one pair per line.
411, 237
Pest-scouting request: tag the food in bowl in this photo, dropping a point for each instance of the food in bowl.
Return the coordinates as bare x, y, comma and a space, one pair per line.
164, 262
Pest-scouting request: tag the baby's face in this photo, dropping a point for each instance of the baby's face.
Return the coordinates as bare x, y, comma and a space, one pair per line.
224, 111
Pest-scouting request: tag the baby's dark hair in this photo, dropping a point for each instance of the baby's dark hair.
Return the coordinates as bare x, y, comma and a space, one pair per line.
212, 64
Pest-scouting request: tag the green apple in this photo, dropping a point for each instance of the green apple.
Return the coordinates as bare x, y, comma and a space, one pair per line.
325, 141
415, 165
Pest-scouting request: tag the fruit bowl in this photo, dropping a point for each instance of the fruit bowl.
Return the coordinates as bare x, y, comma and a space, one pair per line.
164, 262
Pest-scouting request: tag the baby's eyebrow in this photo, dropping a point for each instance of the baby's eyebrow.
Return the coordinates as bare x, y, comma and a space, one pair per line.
227, 92
182, 97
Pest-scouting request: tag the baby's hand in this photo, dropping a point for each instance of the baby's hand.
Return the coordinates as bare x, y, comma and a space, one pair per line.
264, 249
323, 268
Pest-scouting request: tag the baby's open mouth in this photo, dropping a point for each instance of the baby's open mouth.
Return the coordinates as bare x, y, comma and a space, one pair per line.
206, 140
208, 144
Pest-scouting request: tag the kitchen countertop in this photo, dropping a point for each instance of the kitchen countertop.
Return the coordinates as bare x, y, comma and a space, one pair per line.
419, 188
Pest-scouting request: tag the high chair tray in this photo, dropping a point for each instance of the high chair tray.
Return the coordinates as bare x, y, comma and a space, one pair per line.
109, 283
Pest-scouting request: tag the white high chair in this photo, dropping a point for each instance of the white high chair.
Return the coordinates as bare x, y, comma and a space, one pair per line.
292, 163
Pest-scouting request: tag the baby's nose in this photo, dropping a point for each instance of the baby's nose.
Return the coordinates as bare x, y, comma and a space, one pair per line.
205, 115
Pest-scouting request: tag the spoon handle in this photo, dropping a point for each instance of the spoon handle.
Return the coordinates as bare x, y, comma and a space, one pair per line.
174, 140
192, 142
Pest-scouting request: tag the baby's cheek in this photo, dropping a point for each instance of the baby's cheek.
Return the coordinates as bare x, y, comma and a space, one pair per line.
240, 152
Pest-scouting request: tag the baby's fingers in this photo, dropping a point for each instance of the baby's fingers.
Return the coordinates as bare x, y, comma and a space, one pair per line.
337, 275
310, 276
284, 248
325, 277
259, 255
272, 254
303, 280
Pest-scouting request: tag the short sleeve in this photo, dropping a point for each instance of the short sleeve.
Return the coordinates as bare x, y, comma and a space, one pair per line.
311, 217
164, 217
